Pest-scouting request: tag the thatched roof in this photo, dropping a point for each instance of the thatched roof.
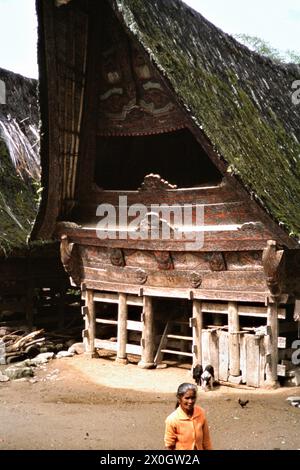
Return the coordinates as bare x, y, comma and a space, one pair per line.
239, 100
19, 159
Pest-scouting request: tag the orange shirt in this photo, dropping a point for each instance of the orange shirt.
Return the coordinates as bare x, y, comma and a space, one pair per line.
185, 432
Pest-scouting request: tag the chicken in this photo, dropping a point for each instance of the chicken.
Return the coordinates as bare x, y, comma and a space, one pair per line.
243, 403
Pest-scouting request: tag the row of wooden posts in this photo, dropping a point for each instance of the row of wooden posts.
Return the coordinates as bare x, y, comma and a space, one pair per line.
147, 348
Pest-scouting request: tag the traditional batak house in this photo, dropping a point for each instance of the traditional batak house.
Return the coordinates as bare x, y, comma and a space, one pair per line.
24, 269
170, 157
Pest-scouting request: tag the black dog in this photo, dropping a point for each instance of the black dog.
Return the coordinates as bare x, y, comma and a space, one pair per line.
197, 372
207, 378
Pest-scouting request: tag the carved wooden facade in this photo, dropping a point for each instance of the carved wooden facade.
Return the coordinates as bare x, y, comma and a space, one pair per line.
121, 139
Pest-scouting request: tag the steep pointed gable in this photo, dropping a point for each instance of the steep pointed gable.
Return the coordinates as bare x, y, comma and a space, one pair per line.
242, 101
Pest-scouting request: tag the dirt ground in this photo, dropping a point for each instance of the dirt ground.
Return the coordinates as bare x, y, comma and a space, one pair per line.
78, 403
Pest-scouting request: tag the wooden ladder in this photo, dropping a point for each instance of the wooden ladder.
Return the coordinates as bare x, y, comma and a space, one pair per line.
162, 348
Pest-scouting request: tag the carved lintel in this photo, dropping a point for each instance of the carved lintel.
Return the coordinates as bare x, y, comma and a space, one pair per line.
217, 262
117, 257
273, 260
196, 279
154, 182
164, 260
70, 259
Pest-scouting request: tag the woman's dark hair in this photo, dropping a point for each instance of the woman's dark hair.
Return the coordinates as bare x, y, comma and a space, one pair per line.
182, 389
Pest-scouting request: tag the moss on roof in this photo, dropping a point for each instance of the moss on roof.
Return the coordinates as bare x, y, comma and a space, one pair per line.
19, 164
17, 205
242, 101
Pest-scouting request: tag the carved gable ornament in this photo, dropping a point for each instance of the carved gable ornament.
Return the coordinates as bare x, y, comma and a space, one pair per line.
273, 264
154, 182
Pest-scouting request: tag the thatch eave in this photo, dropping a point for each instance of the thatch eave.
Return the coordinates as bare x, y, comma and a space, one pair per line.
19, 160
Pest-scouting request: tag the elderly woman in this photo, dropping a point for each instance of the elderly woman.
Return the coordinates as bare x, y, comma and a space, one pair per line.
186, 427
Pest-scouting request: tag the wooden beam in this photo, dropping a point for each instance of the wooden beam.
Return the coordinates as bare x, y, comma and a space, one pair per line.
134, 325
112, 346
178, 293
106, 322
114, 298
243, 310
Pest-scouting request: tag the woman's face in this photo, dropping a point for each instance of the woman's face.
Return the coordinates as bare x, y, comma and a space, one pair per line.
187, 401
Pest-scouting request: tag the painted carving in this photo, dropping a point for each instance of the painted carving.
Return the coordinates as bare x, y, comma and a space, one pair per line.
71, 260
117, 257
141, 276
154, 182
196, 280
164, 260
132, 97
217, 262
273, 259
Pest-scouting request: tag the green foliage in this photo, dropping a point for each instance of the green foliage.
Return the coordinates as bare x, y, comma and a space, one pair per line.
264, 48
74, 292
18, 205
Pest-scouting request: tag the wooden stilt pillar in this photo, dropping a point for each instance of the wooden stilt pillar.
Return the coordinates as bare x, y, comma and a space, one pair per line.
272, 342
89, 317
197, 322
122, 329
234, 346
147, 342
